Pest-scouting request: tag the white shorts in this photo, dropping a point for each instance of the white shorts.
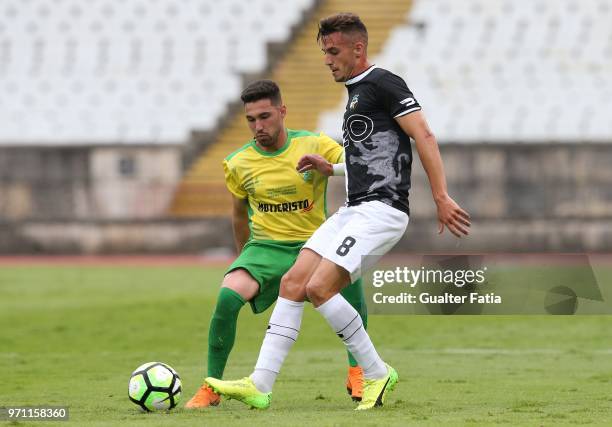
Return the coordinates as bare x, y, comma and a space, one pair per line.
356, 237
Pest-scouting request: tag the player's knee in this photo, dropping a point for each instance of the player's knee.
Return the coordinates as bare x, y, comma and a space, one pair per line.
232, 280
317, 292
291, 287
241, 282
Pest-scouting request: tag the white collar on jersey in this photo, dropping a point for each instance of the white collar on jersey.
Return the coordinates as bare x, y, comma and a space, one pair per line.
358, 77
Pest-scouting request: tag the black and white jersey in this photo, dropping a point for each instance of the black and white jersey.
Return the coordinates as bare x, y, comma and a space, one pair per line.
377, 151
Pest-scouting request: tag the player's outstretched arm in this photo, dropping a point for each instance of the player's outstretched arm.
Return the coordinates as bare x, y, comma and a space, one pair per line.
240, 222
450, 213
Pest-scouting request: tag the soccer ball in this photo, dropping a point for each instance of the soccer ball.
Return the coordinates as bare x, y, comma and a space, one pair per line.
155, 386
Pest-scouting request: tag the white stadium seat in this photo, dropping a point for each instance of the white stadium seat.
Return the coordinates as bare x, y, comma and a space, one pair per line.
133, 71
505, 71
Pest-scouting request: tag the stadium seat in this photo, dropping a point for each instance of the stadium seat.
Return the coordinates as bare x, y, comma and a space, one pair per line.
504, 71
129, 71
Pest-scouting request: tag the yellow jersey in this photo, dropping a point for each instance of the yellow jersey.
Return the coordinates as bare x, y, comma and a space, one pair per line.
283, 204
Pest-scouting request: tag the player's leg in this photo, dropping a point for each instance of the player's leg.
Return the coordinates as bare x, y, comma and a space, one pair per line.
372, 230
356, 298
285, 321
283, 328
293, 282
282, 332
324, 291
238, 287
254, 277
379, 378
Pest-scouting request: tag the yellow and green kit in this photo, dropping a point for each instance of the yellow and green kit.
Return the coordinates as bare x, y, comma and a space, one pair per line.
284, 205
285, 208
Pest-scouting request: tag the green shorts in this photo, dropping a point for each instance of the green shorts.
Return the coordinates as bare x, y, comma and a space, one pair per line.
267, 261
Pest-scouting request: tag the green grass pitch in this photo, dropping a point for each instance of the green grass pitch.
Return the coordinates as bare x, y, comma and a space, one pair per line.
72, 336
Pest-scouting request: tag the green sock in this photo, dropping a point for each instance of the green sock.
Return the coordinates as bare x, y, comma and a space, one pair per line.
355, 296
222, 331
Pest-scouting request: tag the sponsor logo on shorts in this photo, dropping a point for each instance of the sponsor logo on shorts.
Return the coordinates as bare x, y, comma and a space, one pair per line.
301, 205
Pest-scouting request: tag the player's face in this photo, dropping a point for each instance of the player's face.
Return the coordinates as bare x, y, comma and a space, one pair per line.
340, 55
266, 121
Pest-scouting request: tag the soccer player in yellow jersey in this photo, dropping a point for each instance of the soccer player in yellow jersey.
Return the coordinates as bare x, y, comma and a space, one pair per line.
275, 211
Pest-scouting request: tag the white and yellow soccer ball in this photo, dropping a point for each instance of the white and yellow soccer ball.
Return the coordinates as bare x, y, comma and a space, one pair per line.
155, 386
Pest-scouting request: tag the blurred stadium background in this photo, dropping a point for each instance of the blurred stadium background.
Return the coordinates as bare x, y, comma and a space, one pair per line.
115, 116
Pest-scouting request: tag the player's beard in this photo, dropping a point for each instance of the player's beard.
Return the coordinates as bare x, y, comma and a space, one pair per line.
267, 140
347, 76
338, 78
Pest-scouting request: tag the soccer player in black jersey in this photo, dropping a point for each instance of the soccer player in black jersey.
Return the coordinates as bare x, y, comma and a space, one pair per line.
381, 117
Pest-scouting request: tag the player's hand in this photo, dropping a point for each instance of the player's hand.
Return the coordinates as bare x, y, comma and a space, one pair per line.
453, 217
316, 162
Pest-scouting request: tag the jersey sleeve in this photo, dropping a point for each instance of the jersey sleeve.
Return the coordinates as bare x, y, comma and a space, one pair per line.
232, 182
397, 99
330, 149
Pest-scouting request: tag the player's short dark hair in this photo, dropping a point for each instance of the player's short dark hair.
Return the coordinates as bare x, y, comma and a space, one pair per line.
262, 89
345, 23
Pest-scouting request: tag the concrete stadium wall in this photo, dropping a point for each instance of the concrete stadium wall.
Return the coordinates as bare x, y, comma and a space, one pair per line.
522, 198
163, 236
85, 183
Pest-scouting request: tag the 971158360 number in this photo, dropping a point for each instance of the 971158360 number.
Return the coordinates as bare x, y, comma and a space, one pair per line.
32, 413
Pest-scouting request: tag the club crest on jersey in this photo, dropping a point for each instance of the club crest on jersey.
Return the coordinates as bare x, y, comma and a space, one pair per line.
307, 176
354, 102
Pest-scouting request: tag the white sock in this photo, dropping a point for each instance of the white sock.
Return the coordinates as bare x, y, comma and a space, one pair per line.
347, 324
282, 332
